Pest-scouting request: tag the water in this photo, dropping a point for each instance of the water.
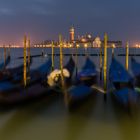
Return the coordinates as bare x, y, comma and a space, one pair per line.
48, 119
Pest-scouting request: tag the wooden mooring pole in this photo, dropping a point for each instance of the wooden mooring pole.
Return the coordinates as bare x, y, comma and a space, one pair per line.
61, 59
9, 51
52, 55
127, 57
76, 59
101, 63
61, 68
105, 64
24, 62
29, 59
4, 56
29, 52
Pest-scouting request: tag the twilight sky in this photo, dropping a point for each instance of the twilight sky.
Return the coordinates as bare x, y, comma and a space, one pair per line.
45, 19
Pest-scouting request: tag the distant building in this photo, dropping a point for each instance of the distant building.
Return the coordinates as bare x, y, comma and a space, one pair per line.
97, 42
81, 41
44, 44
72, 34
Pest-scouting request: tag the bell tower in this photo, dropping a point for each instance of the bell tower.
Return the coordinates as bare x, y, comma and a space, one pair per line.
72, 34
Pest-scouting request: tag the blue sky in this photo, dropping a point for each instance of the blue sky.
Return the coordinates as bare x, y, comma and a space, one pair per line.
45, 19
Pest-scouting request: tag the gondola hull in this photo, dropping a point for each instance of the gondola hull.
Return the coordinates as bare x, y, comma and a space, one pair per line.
137, 81
77, 95
25, 95
88, 74
88, 80
126, 97
3, 65
135, 66
11, 93
120, 84
119, 76
123, 82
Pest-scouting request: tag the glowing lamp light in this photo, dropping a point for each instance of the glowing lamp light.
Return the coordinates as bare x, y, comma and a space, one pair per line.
89, 36
85, 45
113, 46
137, 45
77, 45
83, 40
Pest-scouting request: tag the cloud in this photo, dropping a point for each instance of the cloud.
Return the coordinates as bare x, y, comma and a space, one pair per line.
6, 11
41, 16
26, 7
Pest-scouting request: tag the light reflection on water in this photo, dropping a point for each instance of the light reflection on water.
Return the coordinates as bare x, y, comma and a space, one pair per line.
49, 119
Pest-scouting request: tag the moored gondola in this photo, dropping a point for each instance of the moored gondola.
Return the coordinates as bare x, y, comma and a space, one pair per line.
75, 92
81, 90
88, 74
4, 64
126, 97
77, 95
124, 91
13, 74
11, 94
119, 76
54, 78
135, 67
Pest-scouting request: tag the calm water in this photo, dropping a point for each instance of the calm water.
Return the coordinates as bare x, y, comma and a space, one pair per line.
48, 119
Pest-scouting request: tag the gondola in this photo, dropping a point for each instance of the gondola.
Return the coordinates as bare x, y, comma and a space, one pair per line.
88, 74
80, 91
135, 67
36, 76
3, 65
77, 94
70, 66
124, 92
119, 76
54, 78
13, 94
13, 74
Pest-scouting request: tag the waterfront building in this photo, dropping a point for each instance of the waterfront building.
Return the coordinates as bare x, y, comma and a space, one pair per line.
72, 34
81, 41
